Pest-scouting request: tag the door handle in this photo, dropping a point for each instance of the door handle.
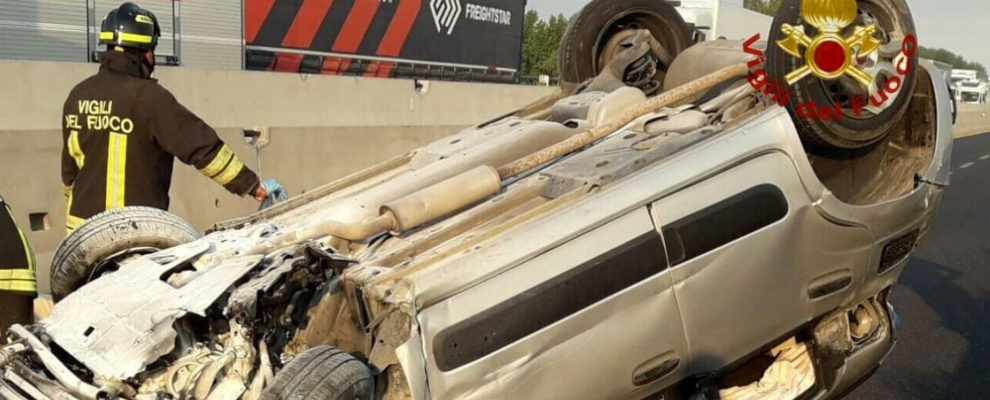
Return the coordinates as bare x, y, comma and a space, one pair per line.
656, 368
829, 284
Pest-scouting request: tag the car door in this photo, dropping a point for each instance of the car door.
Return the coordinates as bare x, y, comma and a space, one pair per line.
594, 318
752, 259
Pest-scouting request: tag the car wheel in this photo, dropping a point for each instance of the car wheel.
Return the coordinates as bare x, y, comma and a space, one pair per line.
596, 33
850, 131
107, 239
322, 373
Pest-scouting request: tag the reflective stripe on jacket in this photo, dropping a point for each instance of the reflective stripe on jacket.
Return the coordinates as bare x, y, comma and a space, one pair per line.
16, 259
121, 133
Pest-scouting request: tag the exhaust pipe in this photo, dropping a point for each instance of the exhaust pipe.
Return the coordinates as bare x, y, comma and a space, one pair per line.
442, 199
475, 185
402, 215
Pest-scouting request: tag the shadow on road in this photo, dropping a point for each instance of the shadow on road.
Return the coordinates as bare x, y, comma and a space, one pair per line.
944, 297
963, 316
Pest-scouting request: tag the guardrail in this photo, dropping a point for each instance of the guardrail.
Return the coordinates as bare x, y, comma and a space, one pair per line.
259, 58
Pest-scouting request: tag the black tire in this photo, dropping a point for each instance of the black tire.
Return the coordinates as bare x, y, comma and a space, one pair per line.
600, 20
322, 373
110, 233
849, 132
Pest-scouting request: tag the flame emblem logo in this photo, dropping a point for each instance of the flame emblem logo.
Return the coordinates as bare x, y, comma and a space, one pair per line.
829, 55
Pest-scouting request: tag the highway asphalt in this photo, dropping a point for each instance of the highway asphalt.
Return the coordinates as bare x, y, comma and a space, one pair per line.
943, 349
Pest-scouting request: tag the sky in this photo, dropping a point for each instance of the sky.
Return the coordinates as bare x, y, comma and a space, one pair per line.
961, 26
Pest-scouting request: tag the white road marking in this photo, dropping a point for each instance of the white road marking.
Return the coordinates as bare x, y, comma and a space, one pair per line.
985, 157
966, 165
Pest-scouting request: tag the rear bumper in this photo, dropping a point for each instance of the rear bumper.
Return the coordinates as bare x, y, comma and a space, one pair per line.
863, 363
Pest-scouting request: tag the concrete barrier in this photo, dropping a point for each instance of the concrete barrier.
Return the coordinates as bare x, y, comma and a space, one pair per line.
321, 128
972, 119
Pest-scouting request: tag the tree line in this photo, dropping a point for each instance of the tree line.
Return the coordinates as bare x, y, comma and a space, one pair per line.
541, 42
768, 7
948, 57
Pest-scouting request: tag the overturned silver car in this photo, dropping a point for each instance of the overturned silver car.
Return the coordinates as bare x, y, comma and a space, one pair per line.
658, 229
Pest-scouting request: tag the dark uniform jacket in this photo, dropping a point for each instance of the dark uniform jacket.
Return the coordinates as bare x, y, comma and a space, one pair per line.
121, 133
16, 260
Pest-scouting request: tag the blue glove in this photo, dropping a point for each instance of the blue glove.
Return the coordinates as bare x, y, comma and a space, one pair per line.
276, 193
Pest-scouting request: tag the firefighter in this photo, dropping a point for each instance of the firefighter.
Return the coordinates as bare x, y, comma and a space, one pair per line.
18, 286
122, 130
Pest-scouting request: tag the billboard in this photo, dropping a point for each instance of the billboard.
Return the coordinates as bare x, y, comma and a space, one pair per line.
430, 38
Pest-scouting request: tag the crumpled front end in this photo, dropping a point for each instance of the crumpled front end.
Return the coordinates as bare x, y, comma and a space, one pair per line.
201, 320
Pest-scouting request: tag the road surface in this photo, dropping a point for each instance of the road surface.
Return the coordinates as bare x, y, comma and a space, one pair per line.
943, 349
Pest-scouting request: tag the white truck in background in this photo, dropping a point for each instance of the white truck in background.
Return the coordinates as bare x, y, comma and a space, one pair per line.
970, 86
718, 19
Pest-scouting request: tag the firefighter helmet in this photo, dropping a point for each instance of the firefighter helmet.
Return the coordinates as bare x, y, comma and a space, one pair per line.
130, 26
